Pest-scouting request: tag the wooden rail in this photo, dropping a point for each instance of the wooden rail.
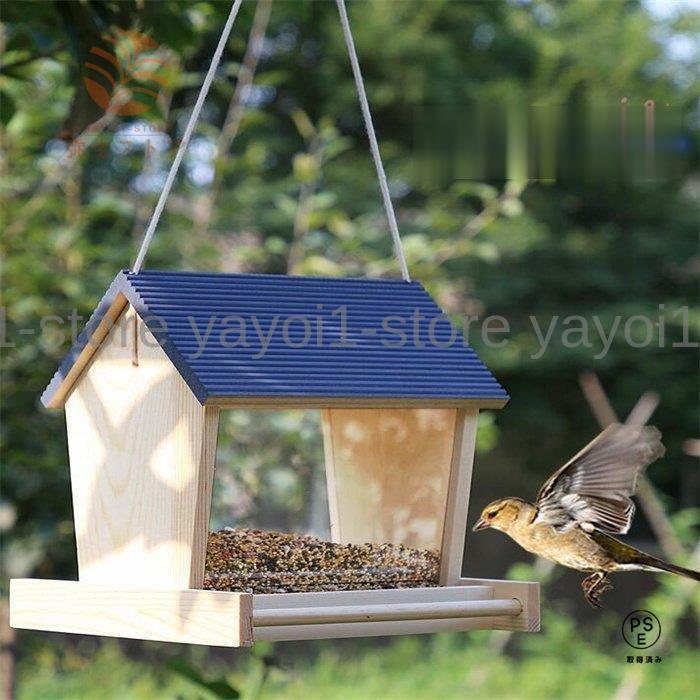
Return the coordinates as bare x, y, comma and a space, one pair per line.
386, 613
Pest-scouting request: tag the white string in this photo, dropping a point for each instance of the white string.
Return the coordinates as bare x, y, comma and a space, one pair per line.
374, 146
186, 136
364, 104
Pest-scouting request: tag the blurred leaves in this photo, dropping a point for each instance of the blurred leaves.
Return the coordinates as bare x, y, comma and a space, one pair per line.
218, 687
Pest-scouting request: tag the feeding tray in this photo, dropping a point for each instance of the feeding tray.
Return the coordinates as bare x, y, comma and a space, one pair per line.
142, 396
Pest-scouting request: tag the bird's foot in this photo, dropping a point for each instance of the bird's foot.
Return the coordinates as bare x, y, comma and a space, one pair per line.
594, 595
592, 599
588, 585
594, 586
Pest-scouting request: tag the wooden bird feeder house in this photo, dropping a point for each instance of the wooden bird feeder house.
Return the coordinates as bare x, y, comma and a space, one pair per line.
142, 395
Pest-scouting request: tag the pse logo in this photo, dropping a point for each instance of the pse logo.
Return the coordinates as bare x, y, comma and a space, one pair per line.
126, 75
641, 629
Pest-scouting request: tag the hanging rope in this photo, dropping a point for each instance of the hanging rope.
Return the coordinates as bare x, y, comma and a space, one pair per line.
187, 135
373, 145
366, 114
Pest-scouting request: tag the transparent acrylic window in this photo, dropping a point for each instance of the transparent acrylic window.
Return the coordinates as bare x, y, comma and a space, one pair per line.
270, 522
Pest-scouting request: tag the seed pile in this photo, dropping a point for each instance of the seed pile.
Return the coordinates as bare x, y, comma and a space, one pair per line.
257, 561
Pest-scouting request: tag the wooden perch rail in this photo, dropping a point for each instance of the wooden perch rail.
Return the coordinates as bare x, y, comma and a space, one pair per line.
386, 613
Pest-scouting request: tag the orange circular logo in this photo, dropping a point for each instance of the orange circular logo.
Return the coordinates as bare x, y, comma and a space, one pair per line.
126, 78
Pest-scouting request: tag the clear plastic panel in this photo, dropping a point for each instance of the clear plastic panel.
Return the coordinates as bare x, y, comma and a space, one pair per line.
271, 516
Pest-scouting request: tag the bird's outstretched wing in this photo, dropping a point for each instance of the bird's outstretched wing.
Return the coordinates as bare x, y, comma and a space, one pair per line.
593, 488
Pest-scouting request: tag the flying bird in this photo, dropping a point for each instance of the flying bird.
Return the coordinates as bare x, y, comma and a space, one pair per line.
582, 505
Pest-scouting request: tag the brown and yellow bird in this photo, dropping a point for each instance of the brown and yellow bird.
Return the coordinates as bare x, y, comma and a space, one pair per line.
581, 503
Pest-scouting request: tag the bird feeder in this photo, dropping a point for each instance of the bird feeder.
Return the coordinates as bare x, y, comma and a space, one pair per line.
143, 389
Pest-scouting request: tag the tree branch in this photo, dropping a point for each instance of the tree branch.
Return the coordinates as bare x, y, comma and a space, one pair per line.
236, 110
475, 225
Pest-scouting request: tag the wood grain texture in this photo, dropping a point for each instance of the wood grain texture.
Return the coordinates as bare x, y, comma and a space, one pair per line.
527, 592
456, 511
387, 472
216, 618
142, 460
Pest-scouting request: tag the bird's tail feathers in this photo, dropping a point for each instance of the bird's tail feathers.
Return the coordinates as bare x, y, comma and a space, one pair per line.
646, 561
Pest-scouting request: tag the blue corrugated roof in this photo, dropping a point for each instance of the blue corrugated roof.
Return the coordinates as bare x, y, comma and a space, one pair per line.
275, 335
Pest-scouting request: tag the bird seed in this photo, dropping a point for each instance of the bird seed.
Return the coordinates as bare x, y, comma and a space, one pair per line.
258, 561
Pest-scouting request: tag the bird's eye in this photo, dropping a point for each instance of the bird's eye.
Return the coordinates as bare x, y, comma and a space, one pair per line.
492, 514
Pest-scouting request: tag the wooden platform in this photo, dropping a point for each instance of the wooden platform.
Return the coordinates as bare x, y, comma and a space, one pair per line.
220, 618
189, 616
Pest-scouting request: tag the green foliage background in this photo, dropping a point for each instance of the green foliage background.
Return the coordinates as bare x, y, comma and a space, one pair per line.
571, 245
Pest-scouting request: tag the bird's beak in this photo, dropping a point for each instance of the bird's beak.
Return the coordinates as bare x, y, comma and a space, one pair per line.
480, 524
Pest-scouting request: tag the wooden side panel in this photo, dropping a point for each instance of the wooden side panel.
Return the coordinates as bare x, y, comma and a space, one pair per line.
455, 530
142, 460
387, 471
203, 495
217, 618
